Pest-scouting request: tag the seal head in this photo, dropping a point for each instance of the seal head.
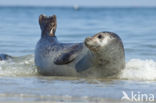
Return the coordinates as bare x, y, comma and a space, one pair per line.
103, 41
108, 52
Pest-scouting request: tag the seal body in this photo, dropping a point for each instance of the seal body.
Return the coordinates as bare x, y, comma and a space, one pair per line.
101, 55
54, 58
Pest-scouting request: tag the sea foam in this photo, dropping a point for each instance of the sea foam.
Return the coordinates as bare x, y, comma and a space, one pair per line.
20, 66
136, 69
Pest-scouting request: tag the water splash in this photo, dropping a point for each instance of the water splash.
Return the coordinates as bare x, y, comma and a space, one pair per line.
21, 66
137, 69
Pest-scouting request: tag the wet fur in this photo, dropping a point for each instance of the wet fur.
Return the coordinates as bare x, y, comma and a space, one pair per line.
74, 59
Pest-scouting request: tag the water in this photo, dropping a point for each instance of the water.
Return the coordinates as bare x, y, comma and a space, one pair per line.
19, 32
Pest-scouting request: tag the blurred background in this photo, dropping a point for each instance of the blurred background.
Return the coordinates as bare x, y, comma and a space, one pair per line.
132, 20
92, 3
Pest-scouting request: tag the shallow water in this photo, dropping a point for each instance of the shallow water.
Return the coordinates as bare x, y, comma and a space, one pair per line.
68, 89
19, 32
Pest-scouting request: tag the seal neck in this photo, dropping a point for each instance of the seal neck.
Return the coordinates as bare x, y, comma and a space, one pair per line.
47, 34
49, 38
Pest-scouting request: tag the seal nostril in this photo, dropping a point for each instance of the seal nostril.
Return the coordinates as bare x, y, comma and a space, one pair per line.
89, 38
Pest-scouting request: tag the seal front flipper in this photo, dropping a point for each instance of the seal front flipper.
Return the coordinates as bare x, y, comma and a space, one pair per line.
83, 64
65, 58
68, 55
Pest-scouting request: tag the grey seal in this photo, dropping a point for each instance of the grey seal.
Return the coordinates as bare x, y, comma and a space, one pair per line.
101, 55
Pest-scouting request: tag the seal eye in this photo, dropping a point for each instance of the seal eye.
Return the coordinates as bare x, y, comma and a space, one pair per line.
100, 36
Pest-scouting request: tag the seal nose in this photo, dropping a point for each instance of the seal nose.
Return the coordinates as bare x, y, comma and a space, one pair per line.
88, 39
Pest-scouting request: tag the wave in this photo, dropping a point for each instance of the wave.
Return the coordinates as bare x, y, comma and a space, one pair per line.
20, 66
136, 69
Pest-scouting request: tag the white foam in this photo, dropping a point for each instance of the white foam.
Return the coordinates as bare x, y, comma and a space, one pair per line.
137, 69
23, 66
